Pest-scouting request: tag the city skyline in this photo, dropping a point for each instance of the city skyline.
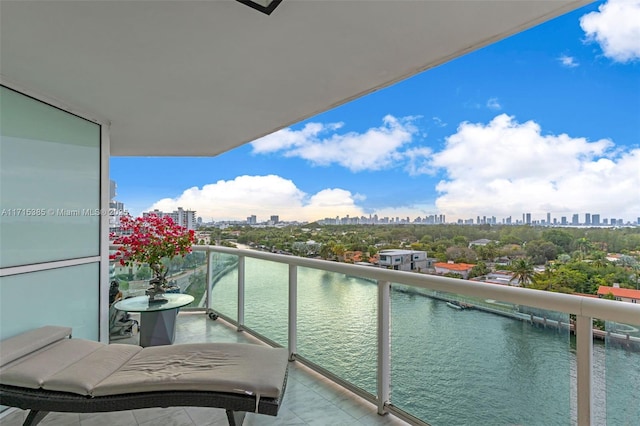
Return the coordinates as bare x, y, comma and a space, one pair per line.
590, 219
544, 121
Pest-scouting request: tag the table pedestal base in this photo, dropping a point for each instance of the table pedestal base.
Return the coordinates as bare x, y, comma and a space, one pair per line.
158, 327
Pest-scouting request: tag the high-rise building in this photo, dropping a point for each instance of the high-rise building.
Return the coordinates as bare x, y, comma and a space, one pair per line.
252, 220
274, 219
595, 219
184, 218
575, 220
548, 218
587, 218
116, 208
563, 220
528, 219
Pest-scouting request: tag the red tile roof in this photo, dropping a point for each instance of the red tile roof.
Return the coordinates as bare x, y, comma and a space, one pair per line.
619, 292
454, 266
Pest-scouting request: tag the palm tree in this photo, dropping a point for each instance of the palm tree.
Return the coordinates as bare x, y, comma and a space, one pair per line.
583, 245
523, 272
326, 250
339, 250
600, 262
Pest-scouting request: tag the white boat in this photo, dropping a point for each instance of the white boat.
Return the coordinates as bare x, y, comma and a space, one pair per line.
454, 305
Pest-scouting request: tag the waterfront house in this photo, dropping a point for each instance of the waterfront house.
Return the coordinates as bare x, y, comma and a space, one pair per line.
403, 260
462, 269
621, 294
480, 242
499, 277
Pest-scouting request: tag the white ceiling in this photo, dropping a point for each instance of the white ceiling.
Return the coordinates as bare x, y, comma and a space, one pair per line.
198, 78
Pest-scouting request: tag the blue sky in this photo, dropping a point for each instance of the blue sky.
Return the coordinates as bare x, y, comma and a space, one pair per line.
547, 120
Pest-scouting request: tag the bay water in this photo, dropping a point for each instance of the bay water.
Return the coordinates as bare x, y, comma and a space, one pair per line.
449, 366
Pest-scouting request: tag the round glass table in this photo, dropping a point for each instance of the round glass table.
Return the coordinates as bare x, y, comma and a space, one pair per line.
157, 319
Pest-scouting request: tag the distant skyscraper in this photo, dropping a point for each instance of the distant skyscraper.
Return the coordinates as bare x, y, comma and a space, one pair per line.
116, 208
185, 218
548, 218
575, 220
563, 220
275, 219
528, 220
595, 219
587, 218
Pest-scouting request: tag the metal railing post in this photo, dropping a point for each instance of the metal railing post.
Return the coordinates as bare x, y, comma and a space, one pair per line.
208, 300
584, 362
384, 345
293, 311
241, 262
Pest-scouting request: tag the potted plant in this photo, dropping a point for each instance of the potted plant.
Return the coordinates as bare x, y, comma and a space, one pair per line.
150, 239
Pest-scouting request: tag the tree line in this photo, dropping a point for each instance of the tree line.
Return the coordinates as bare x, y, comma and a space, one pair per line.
575, 259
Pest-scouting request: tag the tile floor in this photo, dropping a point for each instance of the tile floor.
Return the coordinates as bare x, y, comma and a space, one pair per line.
310, 399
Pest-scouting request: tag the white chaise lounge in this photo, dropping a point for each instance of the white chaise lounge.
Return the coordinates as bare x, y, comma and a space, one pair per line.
45, 370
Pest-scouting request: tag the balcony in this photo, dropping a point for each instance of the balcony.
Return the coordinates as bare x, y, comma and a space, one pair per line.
415, 348
384, 316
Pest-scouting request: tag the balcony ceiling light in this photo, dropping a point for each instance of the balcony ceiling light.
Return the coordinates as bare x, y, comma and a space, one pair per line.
264, 6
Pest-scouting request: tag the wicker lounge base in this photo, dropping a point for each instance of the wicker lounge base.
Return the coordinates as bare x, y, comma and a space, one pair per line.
42, 402
57, 386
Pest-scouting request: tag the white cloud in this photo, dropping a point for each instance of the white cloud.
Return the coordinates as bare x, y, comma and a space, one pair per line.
568, 61
493, 104
376, 149
501, 168
418, 161
506, 167
262, 196
286, 138
616, 28
438, 122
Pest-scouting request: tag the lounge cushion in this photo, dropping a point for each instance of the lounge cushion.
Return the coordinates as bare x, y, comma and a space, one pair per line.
85, 374
37, 368
218, 367
23, 344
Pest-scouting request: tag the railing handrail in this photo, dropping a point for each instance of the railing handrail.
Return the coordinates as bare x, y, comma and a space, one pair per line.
571, 304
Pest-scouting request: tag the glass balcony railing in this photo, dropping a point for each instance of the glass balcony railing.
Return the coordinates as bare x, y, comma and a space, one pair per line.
621, 365
436, 350
483, 359
337, 325
223, 284
187, 274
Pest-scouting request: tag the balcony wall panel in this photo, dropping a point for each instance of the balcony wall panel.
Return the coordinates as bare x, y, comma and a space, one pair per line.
49, 183
63, 296
51, 175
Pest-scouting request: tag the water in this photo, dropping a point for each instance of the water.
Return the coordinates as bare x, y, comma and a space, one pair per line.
449, 367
